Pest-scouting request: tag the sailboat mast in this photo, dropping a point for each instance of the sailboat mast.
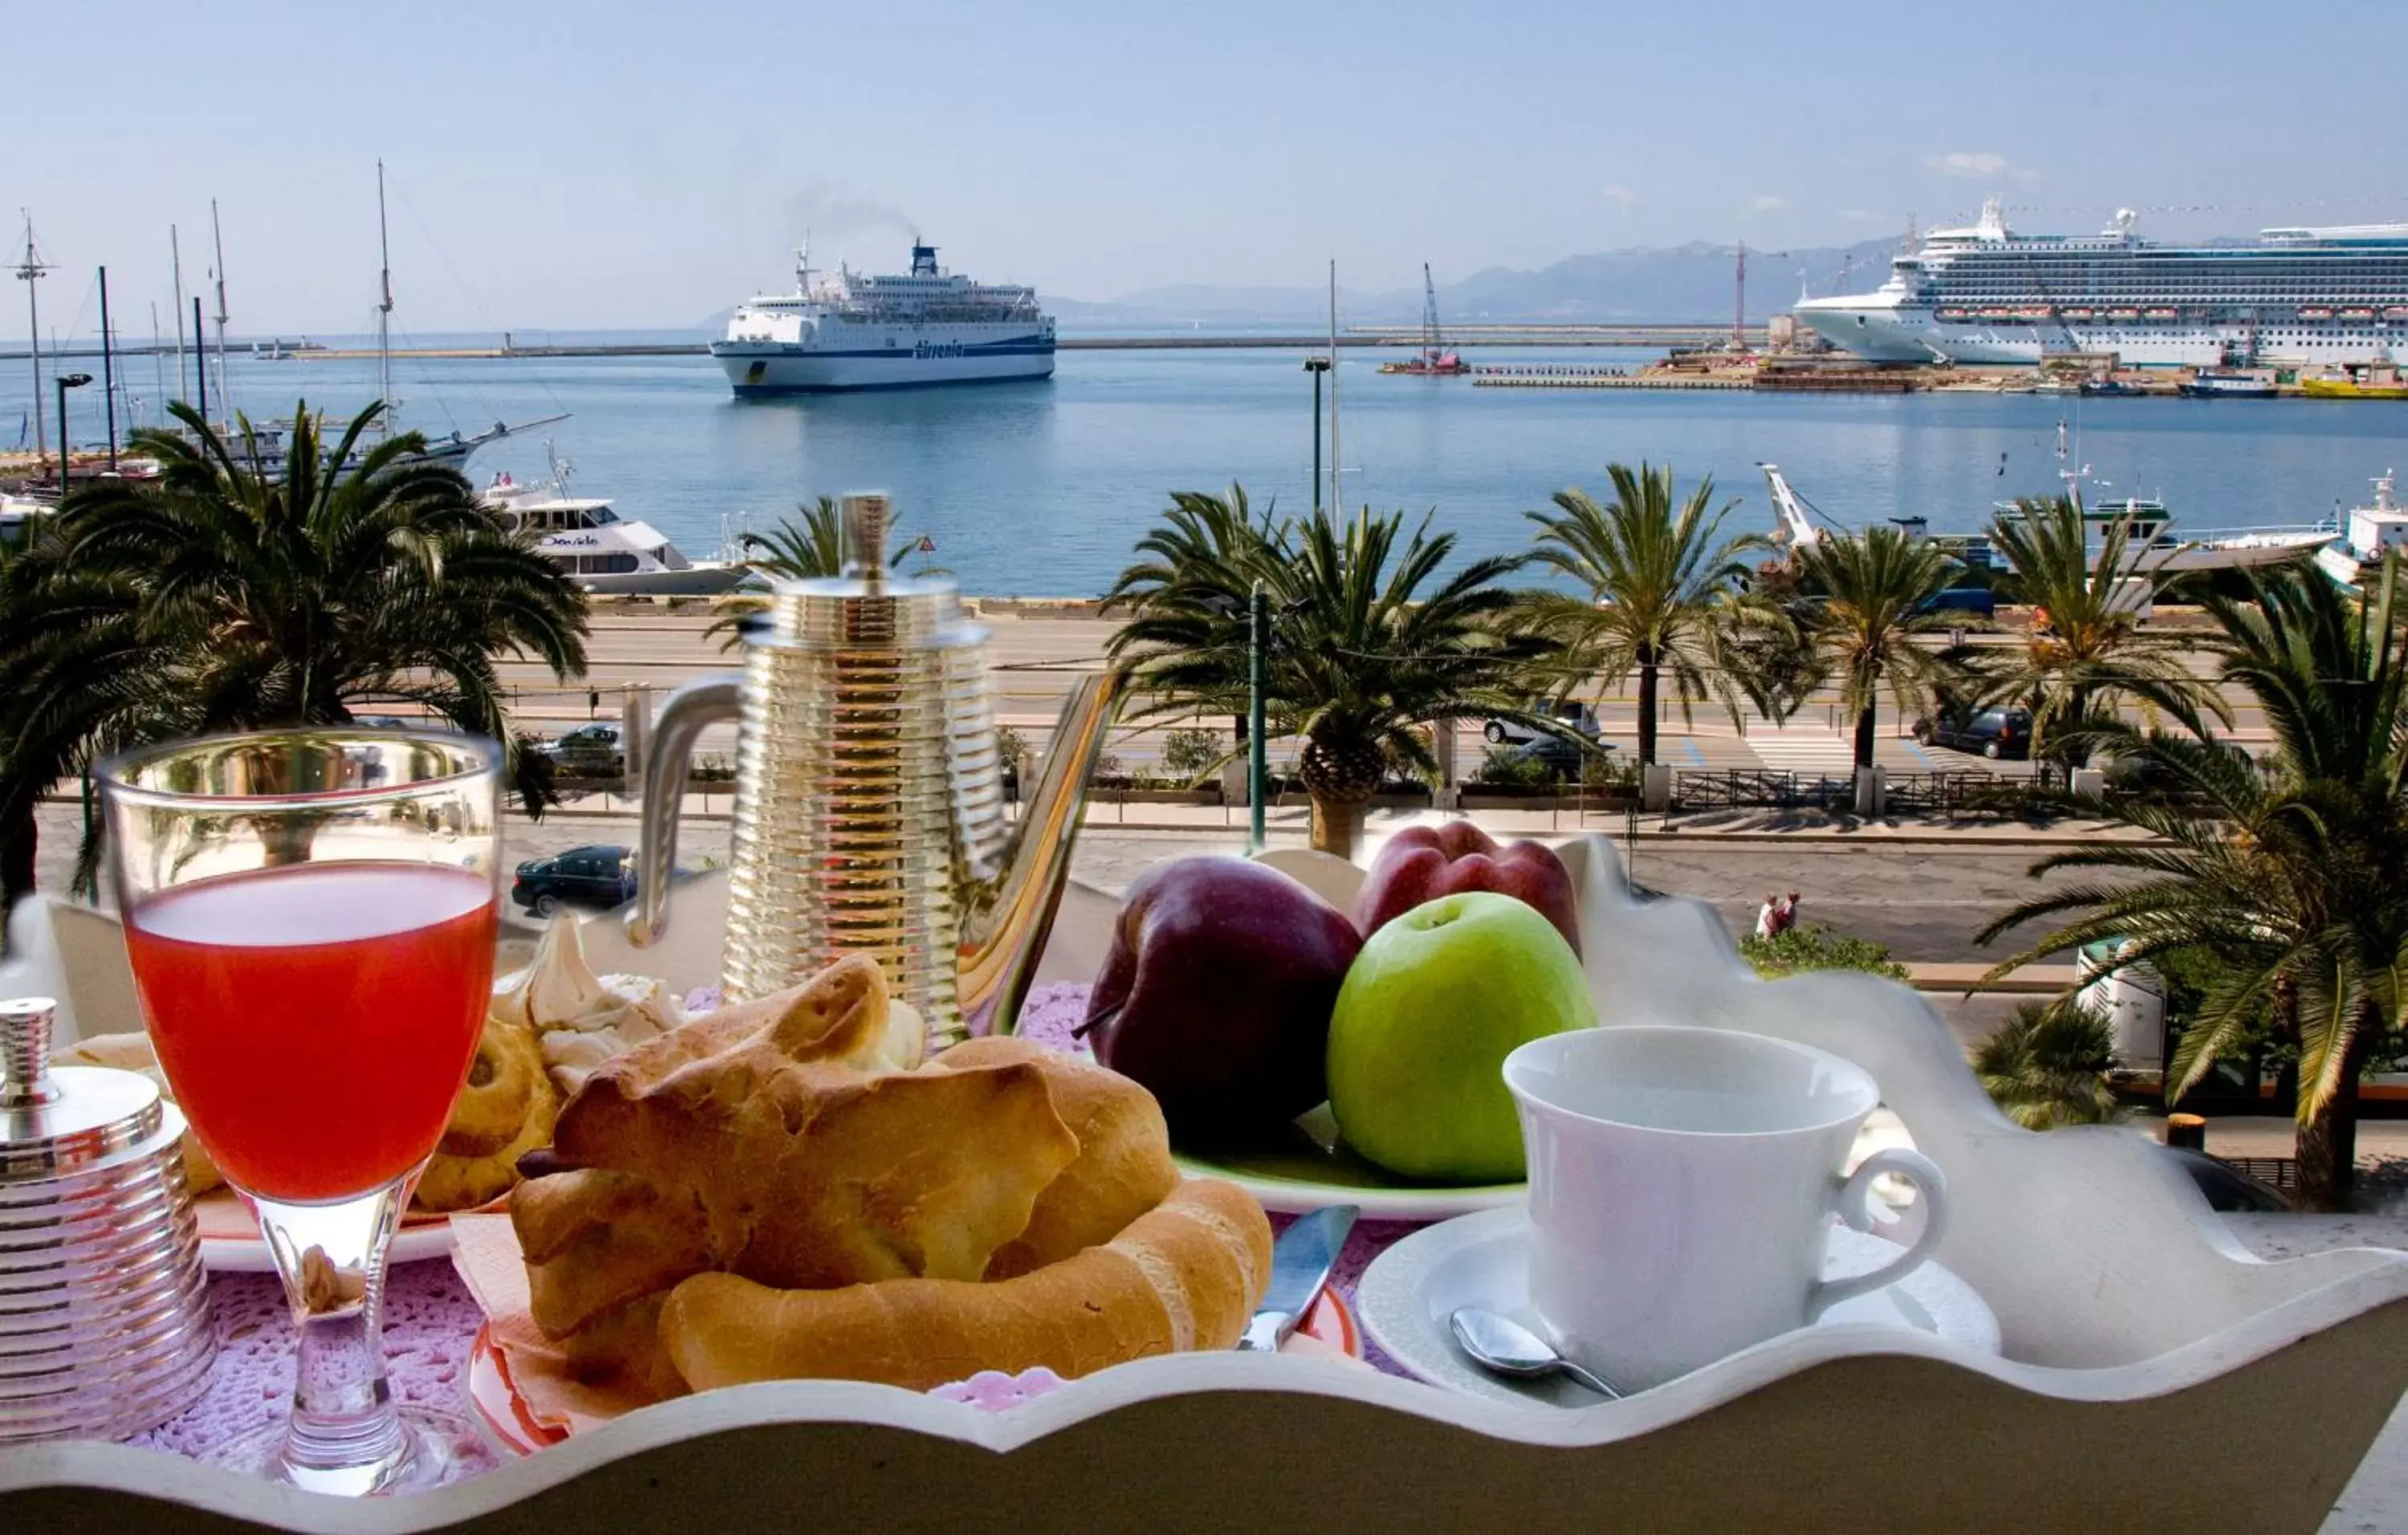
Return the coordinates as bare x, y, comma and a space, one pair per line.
29, 273
225, 385
384, 307
175, 252
159, 363
108, 370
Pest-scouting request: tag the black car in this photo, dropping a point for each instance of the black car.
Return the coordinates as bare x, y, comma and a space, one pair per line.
1562, 758
589, 749
1993, 732
601, 876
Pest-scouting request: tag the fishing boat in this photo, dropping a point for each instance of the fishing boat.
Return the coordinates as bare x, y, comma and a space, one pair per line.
2374, 531
1435, 361
2150, 547
2382, 382
2211, 384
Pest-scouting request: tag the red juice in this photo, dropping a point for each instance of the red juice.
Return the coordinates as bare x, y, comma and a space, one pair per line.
317, 1021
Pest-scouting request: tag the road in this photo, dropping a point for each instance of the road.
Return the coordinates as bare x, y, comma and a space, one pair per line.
1035, 658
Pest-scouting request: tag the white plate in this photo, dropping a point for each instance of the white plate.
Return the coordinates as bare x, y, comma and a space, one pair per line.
230, 1244
1410, 1290
230, 1255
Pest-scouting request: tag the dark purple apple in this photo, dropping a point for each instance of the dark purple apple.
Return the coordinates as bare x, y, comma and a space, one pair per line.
1216, 994
1422, 862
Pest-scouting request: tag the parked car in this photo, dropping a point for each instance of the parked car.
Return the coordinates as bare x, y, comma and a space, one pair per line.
1570, 712
1561, 757
601, 875
591, 749
1994, 733
1979, 601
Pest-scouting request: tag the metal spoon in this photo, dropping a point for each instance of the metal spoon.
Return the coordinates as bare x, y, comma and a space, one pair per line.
1504, 1346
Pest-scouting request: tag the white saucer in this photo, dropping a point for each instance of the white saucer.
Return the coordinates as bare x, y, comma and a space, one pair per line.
250, 1255
1410, 1290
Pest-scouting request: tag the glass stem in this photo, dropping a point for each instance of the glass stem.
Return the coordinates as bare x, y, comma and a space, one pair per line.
331, 1259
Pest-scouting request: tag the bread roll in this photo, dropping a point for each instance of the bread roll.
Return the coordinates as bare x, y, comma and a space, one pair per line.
1185, 1275
1123, 1168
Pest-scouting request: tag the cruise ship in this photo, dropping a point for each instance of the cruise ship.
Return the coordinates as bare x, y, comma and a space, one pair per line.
856, 330
2310, 297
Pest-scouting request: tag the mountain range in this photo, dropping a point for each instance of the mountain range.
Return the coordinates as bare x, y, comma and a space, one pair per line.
1671, 283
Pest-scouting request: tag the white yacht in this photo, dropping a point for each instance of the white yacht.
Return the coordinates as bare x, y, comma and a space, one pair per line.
858, 330
2374, 531
597, 549
1986, 295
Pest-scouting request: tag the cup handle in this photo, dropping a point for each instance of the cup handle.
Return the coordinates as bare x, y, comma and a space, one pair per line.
1855, 1208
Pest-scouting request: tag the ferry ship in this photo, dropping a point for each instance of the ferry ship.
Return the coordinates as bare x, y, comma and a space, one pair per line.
2315, 298
858, 330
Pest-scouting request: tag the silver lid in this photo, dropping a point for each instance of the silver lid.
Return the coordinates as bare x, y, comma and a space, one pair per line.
55, 1121
869, 609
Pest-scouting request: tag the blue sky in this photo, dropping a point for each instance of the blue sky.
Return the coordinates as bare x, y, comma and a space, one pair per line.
610, 165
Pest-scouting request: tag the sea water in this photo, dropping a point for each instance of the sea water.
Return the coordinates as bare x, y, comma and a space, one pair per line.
1040, 488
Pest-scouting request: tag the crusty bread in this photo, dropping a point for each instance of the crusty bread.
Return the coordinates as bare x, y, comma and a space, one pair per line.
770, 1141
1185, 1275
1123, 1168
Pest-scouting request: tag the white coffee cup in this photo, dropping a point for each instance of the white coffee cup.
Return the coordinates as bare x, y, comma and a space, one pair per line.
1683, 1182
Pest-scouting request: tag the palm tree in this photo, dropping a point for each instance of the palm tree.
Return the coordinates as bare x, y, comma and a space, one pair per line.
2090, 655
216, 597
1661, 589
2296, 875
2047, 1066
807, 547
1193, 590
1369, 644
1863, 629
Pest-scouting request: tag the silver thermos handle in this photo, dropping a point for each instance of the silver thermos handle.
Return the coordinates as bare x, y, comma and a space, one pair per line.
681, 719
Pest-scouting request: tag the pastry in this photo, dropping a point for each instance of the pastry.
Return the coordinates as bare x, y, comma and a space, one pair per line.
755, 1142
1124, 1167
1185, 1275
579, 1018
131, 1052
504, 1080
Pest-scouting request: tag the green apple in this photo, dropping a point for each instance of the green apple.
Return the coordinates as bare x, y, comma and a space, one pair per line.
1430, 1009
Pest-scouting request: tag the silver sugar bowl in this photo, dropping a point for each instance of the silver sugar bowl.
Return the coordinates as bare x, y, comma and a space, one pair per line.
103, 1306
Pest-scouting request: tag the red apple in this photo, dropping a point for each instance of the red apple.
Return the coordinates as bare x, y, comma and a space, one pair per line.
1423, 863
1217, 993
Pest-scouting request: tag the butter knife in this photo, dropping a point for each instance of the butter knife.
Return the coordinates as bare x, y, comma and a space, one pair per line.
1300, 1264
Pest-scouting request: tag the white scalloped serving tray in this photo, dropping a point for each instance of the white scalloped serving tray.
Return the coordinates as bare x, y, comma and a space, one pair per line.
2155, 1374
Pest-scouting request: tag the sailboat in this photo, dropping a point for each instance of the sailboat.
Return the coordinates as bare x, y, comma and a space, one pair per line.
452, 450
1435, 361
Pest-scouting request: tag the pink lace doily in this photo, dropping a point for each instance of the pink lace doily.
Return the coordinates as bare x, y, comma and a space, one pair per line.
430, 1320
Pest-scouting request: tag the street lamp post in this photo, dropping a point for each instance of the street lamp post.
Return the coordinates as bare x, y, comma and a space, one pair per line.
65, 382
1258, 642
1316, 366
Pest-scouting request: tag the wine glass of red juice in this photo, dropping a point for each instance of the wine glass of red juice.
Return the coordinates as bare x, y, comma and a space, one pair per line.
311, 917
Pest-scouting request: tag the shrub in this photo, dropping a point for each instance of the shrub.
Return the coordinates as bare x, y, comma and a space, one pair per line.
1504, 764
1815, 947
1011, 746
1188, 755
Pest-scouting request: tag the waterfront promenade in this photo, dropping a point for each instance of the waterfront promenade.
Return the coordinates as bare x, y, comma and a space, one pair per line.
1037, 649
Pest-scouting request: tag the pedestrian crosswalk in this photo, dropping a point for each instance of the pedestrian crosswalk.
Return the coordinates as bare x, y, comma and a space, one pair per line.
1803, 750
